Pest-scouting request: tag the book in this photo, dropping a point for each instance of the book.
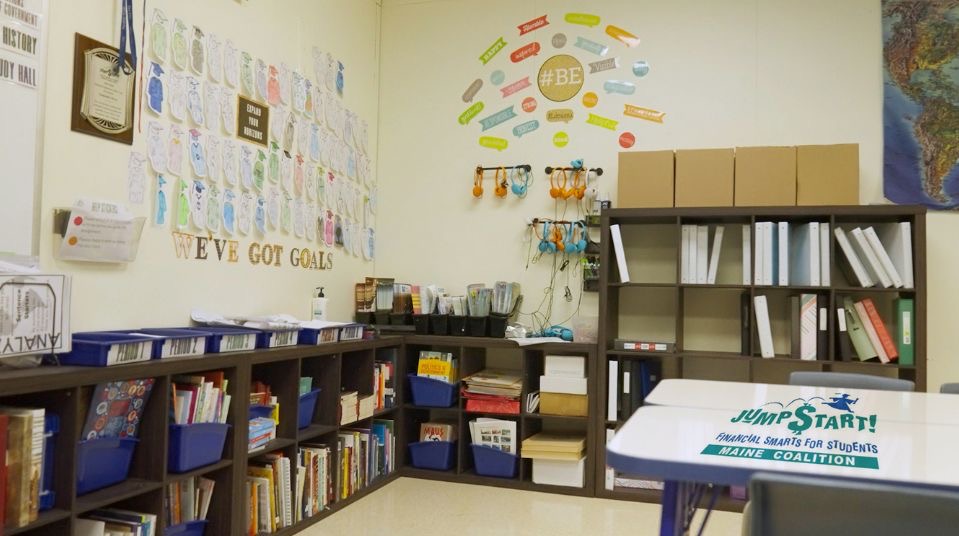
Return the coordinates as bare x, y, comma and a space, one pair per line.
782, 264
872, 264
897, 238
888, 345
763, 328
685, 258
770, 256
116, 408
808, 326
884, 260
437, 431
714, 254
870, 331
825, 259
437, 366
842, 335
617, 239
702, 254
857, 333
905, 327
36, 461
853, 267
804, 265
747, 252
19, 448
546, 442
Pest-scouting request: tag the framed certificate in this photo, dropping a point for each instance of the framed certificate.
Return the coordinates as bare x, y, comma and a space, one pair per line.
102, 100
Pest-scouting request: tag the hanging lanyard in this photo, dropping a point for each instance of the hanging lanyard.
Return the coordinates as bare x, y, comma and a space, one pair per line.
126, 25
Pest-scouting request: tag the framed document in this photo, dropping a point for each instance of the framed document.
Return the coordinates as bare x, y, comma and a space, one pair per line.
102, 99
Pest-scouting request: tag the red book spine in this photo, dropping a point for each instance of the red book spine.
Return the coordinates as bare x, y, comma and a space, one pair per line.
887, 343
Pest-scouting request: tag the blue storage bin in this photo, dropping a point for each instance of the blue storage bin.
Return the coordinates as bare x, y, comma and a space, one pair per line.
307, 407
276, 338
494, 462
51, 427
436, 455
260, 410
192, 528
310, 336
224, 339
104, 348
195, 445
432, 393
177, 342
103, 462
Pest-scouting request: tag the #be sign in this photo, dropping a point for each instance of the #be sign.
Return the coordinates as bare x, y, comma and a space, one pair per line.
560, 78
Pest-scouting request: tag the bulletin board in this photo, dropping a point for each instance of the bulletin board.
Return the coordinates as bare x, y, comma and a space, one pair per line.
23, 59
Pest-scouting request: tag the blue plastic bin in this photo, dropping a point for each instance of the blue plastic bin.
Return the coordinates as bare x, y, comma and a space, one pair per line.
224, 339
51, 427
195, 445
307, 407
276, 338
436, 455
260, 410
103, 462
177, 342
103, 348
310, 336
192, 528
432, 393
494, 462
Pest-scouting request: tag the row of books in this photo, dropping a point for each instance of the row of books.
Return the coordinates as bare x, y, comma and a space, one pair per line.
270, 494
629, 383
314, 480
188, 500
200, 398
699, 261
787, 253
883, 257
384, 390
365, 455
116, 522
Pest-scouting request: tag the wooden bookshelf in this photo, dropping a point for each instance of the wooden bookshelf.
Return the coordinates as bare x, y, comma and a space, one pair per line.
704, 320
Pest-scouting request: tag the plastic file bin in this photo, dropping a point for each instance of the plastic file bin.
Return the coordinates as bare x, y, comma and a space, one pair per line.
227, 339
457, 325
351, 332
51, 427
432, 393
176, 342
103, 462
195, 445
276, 338
493, 462
435, 455
260, 410
439, 324
105, 348
421, 324
307, 408
309, 336
478, 326
192, 528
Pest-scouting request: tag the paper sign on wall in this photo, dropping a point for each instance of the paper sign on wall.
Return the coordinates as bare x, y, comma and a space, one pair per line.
253, 121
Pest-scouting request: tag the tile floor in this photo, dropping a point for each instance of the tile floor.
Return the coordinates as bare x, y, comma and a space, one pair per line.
428, 508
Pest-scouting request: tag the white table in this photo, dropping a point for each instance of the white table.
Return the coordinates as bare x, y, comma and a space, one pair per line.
929, 408
689, 445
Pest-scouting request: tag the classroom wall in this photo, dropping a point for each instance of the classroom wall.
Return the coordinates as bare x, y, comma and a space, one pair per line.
159, 289
727, 73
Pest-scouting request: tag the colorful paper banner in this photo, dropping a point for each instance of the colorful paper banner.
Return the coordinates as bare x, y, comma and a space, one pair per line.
583, 19
499, 117
534, 24
560, 115
644, 113
471, 112
619, 86
524, 52
525, 128
493, 49
515, 87
591, 46
600, 121
472, 90
529, 104
622, 36
640, 68
603, 65
493, 143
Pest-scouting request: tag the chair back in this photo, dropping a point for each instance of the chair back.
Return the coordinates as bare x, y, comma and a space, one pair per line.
850, 381
788, 505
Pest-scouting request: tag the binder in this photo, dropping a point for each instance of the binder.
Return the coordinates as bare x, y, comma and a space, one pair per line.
822, 339
897, 237
747, 255
888, 345
783, 250
883, 256
905, 328
745, 322
825, 277
871, 262
808, 327
856, 270
691, 248
620, 254
763, 328
804, 262
702, 254
612, 390
684, 255
769, 253
842, 334
714, 255
857, 333
871, 332
759, 239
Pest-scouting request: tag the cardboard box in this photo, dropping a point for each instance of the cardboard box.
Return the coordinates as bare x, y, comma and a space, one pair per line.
765, 176
704, 178
645, 179
569, 366
562, 384
559, 472
563, 404
827, 174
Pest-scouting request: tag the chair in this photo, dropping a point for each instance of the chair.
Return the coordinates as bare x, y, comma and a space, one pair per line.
949, 388
787, 505
850, 381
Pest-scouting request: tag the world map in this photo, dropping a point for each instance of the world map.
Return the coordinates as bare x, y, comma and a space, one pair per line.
921, 102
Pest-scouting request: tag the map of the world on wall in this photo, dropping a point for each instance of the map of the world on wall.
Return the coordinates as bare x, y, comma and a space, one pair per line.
921, 102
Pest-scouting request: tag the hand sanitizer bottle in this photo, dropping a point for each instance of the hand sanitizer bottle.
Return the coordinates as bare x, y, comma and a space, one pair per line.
319, 305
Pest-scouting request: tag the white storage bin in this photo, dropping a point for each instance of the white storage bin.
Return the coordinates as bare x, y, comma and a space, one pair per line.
559, 472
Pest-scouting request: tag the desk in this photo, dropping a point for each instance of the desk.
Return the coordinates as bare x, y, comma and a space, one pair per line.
726, 444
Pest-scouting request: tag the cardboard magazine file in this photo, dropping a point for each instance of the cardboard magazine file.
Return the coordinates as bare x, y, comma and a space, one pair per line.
765, 176
646, 179
704, 178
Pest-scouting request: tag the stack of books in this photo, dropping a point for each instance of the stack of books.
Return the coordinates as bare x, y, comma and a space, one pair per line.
188, 500
200, 399
558, 459
114, 521
270, 494
262, 431
349, 407
261, 395
314, 480
493, 391
262, 428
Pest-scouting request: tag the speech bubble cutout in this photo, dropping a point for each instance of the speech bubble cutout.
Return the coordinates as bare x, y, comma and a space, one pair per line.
622, 36
515, 87
560, 115
560, 139
499, 117
618, 86
497, 77
492, 51
584, 19
644, 113
524, 52
590, 99
591, 46
640, 68
472, 90
534, 24
603, 122
529, 105
471, 112
627, 140
603, 65
493, 143
525, 128
559, 40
